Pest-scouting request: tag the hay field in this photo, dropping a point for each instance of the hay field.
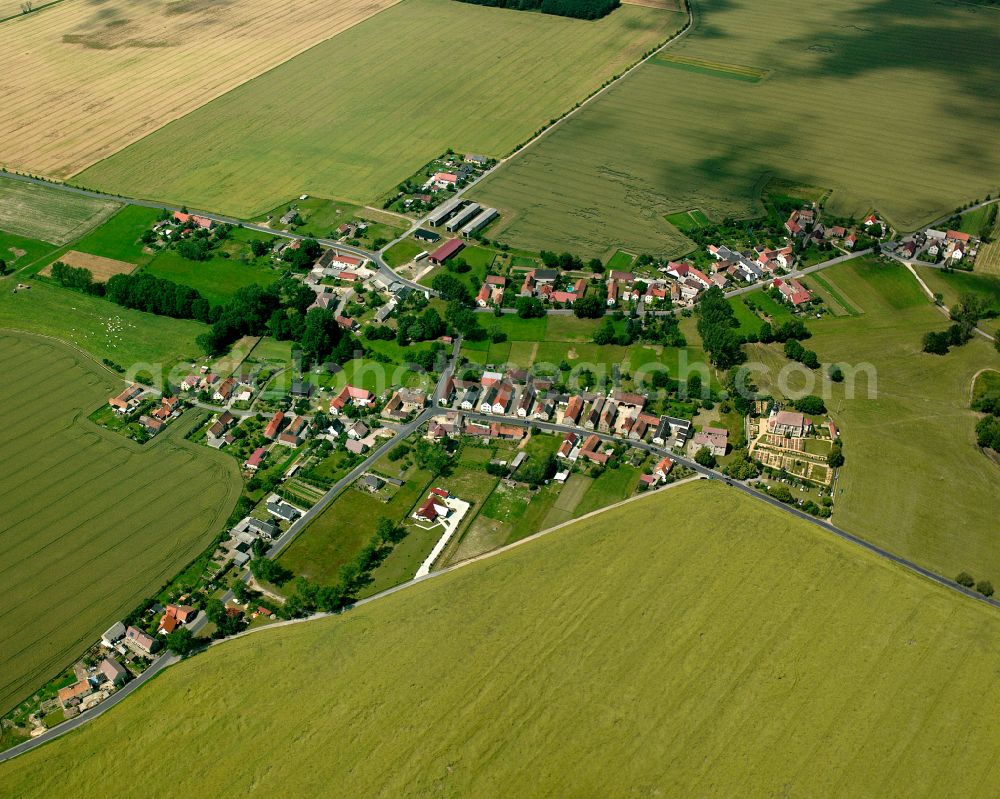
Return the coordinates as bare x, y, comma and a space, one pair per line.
725, 650
100, 267
80, 81
354, 116
92, 522
914, 480
854, 97
37, 212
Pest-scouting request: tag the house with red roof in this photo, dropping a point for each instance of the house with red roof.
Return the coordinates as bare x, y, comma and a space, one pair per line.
273, 426
254, 461
358, 397
792, 291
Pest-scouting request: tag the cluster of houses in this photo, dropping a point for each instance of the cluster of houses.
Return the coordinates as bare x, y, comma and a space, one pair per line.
801, 223
753, 266
950, 246
179, 224
516, 394
792, 291
224, 391
133, 396
542, 283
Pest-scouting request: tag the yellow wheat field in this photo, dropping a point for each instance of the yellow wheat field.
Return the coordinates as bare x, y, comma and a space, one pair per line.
80, 81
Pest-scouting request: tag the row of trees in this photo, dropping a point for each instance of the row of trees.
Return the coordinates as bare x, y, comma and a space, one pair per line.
580, 9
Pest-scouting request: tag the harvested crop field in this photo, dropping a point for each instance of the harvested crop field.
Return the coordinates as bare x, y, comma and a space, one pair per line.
38, 212
92, 522
694, 642
80, 81
100, 267
354, 116
851, 96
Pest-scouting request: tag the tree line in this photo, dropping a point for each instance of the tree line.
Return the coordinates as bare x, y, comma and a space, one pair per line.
579, 9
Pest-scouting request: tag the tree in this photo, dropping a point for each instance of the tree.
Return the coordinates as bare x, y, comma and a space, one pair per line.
530, 308
388, 531
269, 571
936, 343
451, 288
985, 587
595, 266
836, 457
965, 579
589, 306
259, 247
605, 333
320, 334
181, 642
835, 373
810, 404
705, 458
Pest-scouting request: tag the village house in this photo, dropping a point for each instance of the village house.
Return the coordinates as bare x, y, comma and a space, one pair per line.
792, 291
590, 450
357, 431
491, 291
403, 403
358, 397
662, 469
280, 509
295, 433
274, 426
434, 508
112, 671
128, 400
254, 461
71, 695
193, 221
568, 443
150, 425
715, 439
573, 410
224, 390
140, 641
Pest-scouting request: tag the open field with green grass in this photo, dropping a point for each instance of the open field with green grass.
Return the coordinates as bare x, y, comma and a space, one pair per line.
784, 647
914, 481
92, 521
100, 327
118, 238
988, 260
38, 212
952, 285
335, 536
397, 90
215, 279
20, 251
665, 140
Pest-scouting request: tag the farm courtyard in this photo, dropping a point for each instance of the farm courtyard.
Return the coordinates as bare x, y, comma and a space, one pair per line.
92, 522
853, 97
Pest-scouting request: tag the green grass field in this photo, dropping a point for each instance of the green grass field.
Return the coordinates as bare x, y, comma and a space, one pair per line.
396, 91
665, 140
100, 327
19, 251
722, 634
37, 212
403, 252
215, 279
337, 534
914, 481
952, 285
92, 522
118, 238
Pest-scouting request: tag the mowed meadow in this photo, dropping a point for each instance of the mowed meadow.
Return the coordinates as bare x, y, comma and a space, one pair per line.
914, 481
857, 97
81, 80
92, 522
653, 650
355, 115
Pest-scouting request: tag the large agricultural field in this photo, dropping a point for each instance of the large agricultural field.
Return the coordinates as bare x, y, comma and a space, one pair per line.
914, 481
355, 115
92, 522
850, 96
81, 81
535, 672
37, 212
